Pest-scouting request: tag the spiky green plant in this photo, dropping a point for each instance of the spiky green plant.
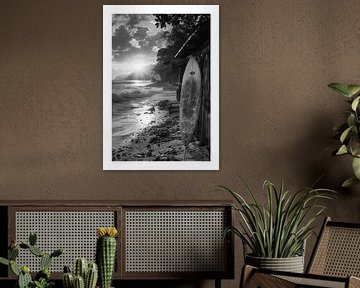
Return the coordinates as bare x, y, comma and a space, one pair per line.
68, 280
42, 278
91, 276
279, 229
106, 254
79, 282
80, 267
85, 274
43, 283
348, 132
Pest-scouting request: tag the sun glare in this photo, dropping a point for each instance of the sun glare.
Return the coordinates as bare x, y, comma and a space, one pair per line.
137, 65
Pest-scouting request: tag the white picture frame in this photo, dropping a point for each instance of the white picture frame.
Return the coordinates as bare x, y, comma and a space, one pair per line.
108, 161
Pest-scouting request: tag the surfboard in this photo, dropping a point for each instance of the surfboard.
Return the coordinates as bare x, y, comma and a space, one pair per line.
190, 98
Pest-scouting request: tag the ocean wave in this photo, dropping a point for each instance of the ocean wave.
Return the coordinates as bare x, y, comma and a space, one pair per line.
127, 95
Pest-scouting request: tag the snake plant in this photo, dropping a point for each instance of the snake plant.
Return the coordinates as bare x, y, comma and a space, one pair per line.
279, 228
348, 132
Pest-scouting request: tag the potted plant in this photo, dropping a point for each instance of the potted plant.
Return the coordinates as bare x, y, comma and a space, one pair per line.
106, 254
276, 233
348, 132
42, 278
84, 274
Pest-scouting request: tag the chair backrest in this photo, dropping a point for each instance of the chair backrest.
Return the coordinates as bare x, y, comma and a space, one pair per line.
337, 251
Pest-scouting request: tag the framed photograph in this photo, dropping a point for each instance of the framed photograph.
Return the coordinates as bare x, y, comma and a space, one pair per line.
161, 87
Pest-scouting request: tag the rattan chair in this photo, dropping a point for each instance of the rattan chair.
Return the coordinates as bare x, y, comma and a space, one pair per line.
334, 263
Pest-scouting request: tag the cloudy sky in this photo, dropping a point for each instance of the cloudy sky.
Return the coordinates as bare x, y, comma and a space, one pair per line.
135, 42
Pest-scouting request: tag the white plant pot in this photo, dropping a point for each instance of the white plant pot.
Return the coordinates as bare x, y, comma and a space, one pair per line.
291, 264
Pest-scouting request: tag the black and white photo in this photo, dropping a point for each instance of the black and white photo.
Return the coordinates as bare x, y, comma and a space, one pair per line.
161, 87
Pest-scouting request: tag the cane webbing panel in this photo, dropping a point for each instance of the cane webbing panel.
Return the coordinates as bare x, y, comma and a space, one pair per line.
259, 280
175, 241
75, 231
338, 252
313, 282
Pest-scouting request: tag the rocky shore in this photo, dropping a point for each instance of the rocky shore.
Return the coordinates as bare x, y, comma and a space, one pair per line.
160, 141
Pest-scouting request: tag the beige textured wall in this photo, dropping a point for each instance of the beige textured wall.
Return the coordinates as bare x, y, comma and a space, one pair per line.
276, 113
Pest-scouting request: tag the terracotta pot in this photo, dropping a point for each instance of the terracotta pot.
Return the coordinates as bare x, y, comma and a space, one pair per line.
291, 264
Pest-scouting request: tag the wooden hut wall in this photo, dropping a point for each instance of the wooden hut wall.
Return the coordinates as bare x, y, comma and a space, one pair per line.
203, 127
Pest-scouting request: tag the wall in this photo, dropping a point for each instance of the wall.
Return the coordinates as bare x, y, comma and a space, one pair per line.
276, 113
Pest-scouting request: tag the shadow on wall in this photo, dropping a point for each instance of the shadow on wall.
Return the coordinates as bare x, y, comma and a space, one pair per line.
310, 155
335, 170
310, 160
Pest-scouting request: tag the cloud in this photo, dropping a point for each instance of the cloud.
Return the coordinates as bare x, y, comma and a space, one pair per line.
134, 35
135, 43
133, 20
118, 20
121, 39
141, 33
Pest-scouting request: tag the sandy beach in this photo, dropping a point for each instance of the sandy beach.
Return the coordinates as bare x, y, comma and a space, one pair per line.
159, 139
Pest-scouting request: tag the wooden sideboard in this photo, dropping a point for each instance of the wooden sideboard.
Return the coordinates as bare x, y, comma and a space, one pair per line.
157, 240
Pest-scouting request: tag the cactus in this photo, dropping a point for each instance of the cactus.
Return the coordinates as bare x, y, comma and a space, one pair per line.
24, 280
32, 238
45, 261
88, 273
42, 278
24, 245
13, 253
79, 282
68, 280
44, 273
57, 252
67, 269
91, 276
36, 251
14, 268
105, 254
80, 268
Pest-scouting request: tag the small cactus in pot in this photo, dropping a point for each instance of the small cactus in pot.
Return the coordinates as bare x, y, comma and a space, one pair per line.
106, 254
85, 275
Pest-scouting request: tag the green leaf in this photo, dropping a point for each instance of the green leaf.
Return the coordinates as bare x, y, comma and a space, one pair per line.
349, 182
14, 268
4, 261
342, 150
32, 238
279, 228
340, 88
356, 167
345, 134
57, 252
36, 251
13, 253
351, 120
45, 261
23, 245
354, 145
353, 89
355, 103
